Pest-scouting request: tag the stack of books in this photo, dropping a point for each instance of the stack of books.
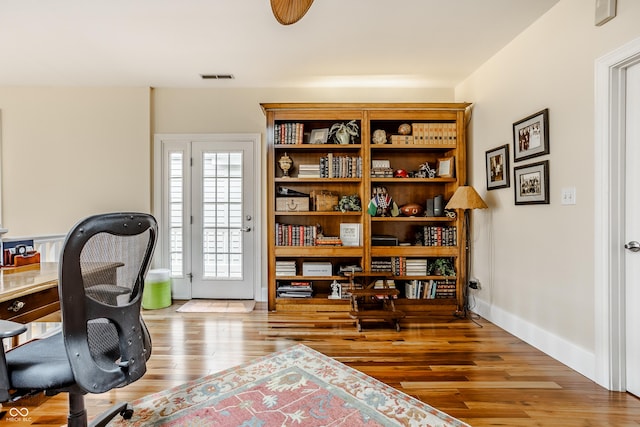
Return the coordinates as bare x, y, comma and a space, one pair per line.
381, 264
328, 241
301, 289
285, 268
416, 267
309, 171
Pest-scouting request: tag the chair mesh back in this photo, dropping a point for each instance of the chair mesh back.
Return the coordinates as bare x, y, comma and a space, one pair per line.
103, 264
110, 268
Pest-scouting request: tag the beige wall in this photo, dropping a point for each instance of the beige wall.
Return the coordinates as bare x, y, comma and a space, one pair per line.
238, 110
535, 263
71, 152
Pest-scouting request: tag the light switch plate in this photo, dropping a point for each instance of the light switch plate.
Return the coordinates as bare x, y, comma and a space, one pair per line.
568, 196
605, 11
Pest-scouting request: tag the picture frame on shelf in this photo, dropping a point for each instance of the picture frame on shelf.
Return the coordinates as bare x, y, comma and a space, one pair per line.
531, 183
351, 234
531, 136
319, 136
497, 167
445, 167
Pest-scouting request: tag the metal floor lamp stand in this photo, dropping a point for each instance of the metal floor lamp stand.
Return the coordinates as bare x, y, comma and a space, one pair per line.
466, 313
466, 198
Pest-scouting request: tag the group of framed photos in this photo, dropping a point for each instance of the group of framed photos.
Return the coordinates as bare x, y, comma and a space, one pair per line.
531, 181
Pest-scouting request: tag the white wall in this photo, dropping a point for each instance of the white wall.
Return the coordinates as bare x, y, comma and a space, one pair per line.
71, 152
535, 263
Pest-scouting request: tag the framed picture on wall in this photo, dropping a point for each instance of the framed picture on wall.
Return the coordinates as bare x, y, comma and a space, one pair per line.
497, 167
531, 136
531, 183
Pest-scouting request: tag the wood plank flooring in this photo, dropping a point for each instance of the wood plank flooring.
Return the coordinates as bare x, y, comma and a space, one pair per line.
481, 375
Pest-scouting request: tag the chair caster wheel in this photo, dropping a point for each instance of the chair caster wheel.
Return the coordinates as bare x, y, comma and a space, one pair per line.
127, 412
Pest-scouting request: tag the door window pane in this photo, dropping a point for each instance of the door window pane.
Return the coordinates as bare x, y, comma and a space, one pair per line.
222, 215
176, 208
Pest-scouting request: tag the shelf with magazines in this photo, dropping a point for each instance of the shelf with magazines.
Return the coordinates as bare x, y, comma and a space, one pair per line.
375, 175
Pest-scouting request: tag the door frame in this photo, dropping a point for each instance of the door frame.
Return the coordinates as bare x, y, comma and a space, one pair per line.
161, 258
609, 192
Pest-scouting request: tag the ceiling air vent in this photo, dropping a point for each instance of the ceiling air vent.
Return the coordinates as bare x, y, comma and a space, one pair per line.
217, 76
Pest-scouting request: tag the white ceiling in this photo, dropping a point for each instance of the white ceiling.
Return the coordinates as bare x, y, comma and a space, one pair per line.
170, 43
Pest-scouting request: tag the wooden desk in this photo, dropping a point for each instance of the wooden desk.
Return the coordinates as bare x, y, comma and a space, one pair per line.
29, 293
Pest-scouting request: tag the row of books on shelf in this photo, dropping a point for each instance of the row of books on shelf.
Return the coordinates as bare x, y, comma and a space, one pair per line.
288, 133
307, 235
296, 235
331, 166
297, 289
340, 166
430, 289
403, 266
435, 235
434, 133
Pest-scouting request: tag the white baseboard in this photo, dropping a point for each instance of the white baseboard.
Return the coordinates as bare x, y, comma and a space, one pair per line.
563, 351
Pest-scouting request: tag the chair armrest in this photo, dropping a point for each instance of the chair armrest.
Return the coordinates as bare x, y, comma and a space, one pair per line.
11, 329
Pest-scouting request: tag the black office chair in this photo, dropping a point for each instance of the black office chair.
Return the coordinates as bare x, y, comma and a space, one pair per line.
104, 342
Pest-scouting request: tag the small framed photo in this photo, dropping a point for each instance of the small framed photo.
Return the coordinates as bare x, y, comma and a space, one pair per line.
531, 136
498, 167
319, 136
531, 183
446, 167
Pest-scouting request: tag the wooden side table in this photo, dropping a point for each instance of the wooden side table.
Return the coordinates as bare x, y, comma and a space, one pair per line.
373, 304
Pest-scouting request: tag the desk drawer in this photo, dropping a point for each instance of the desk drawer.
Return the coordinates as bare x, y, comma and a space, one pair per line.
30, 307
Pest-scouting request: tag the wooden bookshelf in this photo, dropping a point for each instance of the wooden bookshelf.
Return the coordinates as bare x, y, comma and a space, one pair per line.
438, 132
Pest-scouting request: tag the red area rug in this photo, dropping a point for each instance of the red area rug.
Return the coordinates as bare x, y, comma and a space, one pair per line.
296, 386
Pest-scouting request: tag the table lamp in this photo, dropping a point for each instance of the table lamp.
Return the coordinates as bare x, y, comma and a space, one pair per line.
466, 198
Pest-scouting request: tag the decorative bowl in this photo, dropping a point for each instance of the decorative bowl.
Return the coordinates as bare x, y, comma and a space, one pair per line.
412, 209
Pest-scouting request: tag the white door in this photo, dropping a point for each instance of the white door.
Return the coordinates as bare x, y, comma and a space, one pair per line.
205, 199
632, 230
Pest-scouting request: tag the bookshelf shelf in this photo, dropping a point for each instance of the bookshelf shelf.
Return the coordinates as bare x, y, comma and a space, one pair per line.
438, 131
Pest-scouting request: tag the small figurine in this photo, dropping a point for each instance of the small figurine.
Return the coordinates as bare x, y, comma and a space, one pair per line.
336, 290
426, 171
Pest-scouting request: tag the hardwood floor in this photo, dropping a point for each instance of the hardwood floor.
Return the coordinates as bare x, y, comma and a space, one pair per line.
481, 375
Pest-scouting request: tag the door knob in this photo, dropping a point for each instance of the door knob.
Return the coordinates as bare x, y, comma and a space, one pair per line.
248, 229
633, 246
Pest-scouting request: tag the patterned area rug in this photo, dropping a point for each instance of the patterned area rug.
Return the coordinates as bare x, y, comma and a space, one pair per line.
294, 387
217, 306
